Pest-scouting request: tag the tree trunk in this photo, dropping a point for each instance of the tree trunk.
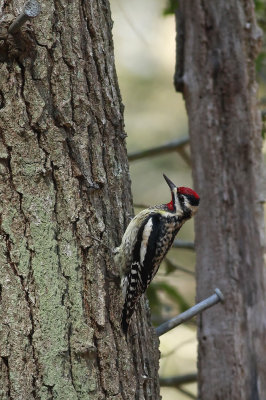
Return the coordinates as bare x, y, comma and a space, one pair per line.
217, 44
65, 202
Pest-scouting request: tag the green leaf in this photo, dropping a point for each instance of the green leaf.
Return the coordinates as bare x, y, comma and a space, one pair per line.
169, 267
172, 293
259, 5
170, 7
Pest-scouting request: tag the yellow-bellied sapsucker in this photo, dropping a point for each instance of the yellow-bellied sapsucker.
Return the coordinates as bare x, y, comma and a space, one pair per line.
146, 241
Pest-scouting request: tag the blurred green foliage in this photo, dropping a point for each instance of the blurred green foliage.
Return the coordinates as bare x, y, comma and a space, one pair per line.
160, 289
170, 7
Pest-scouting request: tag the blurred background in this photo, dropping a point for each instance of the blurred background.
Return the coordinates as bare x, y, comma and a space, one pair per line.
144, 41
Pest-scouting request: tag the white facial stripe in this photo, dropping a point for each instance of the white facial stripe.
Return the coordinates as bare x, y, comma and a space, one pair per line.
179, 210
187, 204
145, 238
175, 196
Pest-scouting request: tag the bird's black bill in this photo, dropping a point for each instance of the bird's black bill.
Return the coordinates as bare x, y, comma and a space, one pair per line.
171, 185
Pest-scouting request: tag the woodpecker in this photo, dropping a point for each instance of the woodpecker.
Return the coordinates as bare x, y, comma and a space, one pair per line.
146, 241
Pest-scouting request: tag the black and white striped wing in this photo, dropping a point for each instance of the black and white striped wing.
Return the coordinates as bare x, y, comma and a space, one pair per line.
152, 244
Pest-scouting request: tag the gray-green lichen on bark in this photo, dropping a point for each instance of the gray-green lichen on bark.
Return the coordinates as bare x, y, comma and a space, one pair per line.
64, 181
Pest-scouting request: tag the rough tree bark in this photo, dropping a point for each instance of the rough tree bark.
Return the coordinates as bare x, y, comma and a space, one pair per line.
217, 44
65, 201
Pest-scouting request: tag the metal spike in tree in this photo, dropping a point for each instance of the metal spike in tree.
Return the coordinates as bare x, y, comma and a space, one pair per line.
217, 44
63, 181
